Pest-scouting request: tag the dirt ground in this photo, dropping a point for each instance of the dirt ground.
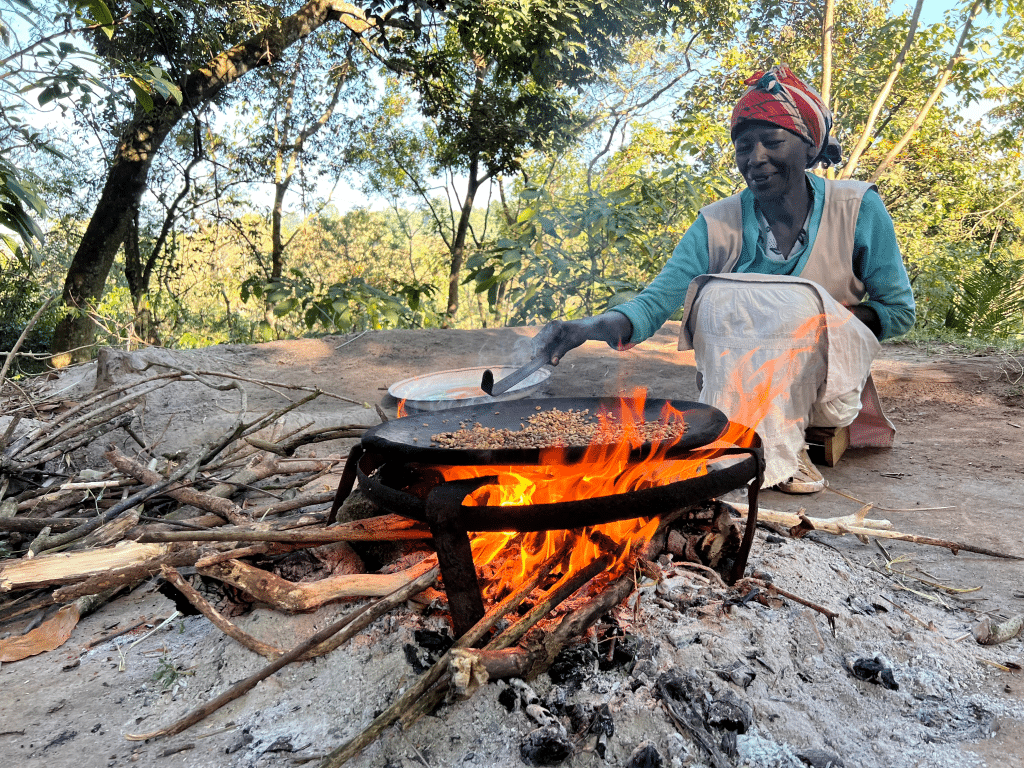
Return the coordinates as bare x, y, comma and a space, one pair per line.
955, 473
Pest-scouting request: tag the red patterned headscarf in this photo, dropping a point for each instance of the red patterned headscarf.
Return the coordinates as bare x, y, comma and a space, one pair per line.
783, 99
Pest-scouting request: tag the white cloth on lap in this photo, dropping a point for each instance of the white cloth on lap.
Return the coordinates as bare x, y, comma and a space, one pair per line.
781, 352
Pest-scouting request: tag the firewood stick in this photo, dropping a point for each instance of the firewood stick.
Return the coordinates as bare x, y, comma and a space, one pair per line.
73, 443
565, 587
839, 527
41, 437
87, 425
269, 468
289, 446
46, 570
241, 428
531, 663
216, 617
307, 500
428, 681
261, 548
185, 495
285, 595
136, 498
382, 528
351, 624
614, 594
774, 589
36, 524
125, 575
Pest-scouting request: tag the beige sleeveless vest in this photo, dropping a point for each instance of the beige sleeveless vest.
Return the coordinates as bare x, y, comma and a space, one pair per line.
830, 263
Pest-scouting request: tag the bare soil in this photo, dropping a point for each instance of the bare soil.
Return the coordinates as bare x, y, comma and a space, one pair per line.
955, 473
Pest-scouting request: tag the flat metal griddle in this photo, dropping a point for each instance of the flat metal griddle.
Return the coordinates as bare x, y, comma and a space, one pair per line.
409, 437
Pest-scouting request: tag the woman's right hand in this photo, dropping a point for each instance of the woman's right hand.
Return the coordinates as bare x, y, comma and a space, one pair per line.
559, 336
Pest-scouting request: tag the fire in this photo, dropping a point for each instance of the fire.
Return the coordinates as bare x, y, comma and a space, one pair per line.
606, 468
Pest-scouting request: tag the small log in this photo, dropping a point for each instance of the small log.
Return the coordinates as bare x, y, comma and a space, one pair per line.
308, 500
295, 597
126, 575
109, 534
53, 503
216, 617
36, 524
381, 528
269, 467
848, 525
481, 666
61, 568
217, 505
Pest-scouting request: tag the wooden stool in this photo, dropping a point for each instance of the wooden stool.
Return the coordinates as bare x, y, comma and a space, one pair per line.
826, 445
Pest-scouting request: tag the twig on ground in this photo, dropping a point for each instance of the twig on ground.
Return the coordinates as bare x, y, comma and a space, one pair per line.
350, 625
217, 505
216, 617
840, 527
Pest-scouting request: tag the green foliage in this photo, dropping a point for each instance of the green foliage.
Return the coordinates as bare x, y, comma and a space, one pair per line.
572, 256
344, 307
989, 301
19, 199
21, 294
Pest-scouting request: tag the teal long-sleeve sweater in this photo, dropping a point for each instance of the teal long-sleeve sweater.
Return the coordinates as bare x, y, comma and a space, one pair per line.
877, 262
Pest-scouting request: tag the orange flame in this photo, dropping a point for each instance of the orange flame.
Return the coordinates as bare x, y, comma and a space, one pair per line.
605, 469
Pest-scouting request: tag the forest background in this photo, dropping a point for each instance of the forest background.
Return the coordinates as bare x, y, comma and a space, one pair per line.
187, 174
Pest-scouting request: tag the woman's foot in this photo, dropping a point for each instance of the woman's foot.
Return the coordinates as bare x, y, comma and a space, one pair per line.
806, 478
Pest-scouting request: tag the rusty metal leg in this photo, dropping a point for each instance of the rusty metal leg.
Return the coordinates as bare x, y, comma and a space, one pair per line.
348, 480
454, 554
740, 564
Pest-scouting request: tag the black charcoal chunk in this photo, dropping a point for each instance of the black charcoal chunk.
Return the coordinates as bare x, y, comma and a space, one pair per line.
546, 746
646, 755
573, 665
875, 671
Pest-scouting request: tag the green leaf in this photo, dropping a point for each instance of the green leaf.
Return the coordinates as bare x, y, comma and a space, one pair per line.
141, 94
100, 13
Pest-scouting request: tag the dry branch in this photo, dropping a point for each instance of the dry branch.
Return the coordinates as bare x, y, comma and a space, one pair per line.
216, 617
351, 624
263, 467
61, 568
847, 525
382, 528
217, 505
295, 597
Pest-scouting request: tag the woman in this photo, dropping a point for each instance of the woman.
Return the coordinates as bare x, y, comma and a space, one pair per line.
771, 280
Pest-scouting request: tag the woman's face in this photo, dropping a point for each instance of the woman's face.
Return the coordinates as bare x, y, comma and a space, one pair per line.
771, 160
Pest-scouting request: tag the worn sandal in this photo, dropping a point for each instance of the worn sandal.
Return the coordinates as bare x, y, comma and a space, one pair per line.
806, 479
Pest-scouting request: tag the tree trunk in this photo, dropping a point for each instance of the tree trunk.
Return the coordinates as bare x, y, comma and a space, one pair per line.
459, 245
883, 94
944, 76
128, 176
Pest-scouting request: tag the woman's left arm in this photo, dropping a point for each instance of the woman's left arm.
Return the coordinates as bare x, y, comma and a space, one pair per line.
878, 263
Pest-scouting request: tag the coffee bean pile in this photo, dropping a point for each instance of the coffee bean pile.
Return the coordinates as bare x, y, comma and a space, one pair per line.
553, 428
